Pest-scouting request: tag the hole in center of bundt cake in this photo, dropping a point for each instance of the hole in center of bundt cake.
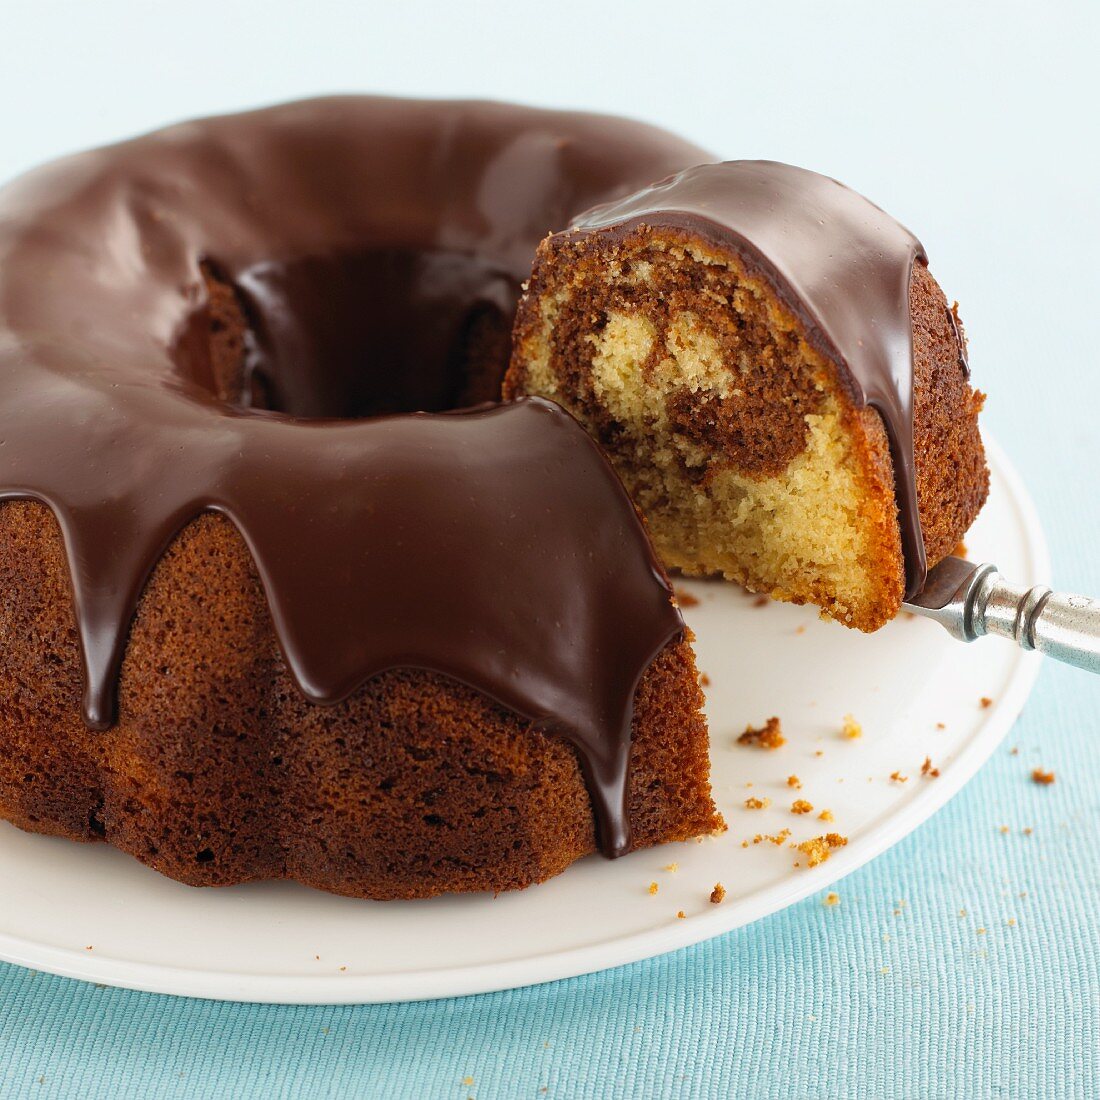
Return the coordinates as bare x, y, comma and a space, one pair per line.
390, 330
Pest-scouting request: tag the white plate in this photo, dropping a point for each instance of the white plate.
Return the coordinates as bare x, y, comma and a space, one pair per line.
90, 912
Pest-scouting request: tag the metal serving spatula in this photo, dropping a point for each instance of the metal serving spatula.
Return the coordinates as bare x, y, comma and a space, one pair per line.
972, 600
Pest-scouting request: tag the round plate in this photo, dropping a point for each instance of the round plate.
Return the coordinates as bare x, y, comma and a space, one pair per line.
89, 912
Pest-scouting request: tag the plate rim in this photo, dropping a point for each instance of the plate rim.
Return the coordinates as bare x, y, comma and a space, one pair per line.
436, 983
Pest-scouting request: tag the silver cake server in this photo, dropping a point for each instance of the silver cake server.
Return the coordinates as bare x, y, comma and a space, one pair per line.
972, 600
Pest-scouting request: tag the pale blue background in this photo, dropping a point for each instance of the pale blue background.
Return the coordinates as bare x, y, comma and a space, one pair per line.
975, 124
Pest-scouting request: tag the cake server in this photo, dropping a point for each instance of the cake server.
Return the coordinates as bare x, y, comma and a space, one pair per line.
971, 600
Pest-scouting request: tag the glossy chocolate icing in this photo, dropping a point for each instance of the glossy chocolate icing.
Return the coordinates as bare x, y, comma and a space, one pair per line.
493, 545
838, 263
956, 328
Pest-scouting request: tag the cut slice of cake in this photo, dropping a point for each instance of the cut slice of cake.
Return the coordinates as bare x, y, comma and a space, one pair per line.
776, 376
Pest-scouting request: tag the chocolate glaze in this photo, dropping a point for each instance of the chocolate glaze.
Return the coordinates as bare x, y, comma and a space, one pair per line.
362, 235
839, 264
956, 328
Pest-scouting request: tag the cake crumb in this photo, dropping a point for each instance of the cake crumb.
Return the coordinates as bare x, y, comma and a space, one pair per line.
941, 725
343, 968
1014, 751
1005, 830
671, 867
704, 679
851, 729
90, 947
467, 1080
800, 630
757, 803
826, 815
985, 702
801, 806
680, 915
653, 887
761, 601
794, 781
831, 898
768, 736
1044, 779
981, 931
1027, 830
1011, 922
717, 895
819, 848
819, 752
926, 769
774, 838
897, 777
685, 599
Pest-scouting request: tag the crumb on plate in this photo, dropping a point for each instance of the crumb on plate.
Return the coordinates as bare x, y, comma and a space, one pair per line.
818, 849
768, 736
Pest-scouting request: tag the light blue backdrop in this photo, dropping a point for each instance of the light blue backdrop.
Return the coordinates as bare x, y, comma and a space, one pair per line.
976, 126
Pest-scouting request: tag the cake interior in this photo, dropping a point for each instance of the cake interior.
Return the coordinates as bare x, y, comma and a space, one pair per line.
726, 426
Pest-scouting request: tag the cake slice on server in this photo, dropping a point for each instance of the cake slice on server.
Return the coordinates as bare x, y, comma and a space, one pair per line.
776, 376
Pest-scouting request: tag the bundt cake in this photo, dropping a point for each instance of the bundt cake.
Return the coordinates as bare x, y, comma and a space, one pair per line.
776, 376
281, 598
250, 627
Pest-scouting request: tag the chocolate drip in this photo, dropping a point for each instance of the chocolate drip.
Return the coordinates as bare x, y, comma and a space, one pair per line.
361, 237
956, 328
839, 264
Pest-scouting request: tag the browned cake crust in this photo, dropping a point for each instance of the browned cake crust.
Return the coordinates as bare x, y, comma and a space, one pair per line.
219, 771
600, 330
952, 476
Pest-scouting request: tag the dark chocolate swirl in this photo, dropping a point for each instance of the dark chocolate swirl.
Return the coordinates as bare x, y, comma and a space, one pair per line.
839, 264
